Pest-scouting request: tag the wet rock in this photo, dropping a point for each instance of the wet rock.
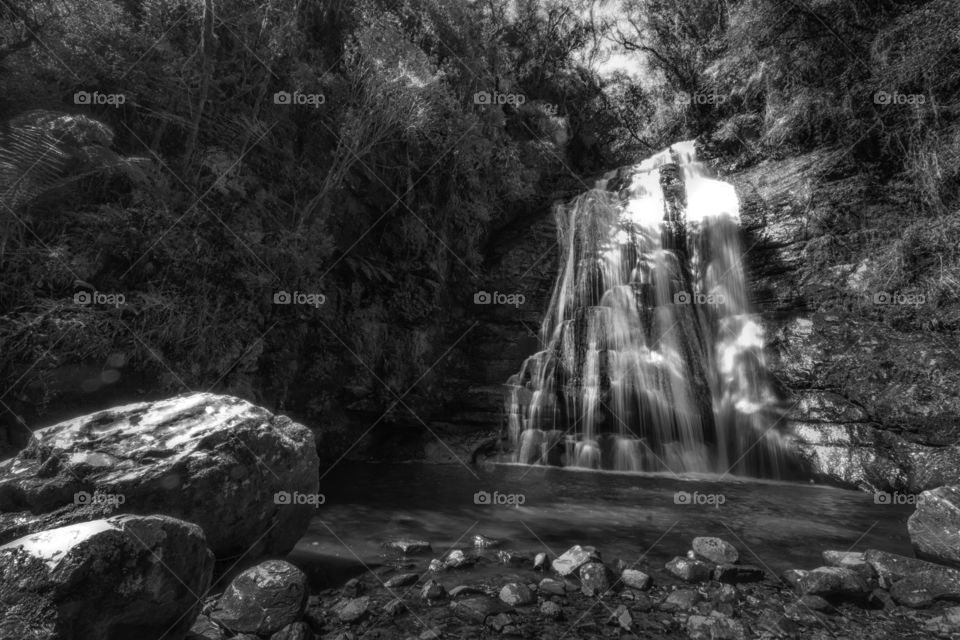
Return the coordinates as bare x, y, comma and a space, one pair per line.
947, 624
770, 623
199, 457
551, 610
477, 608
825, 581
799, 612
352, 588
716, 626
891, 567
596, 579
464, 590
555, 587
922, 589
621, 617
815, 603
737, 573
432, 590
353, 610
793, 577
93, 580
853, 560
263, 599
394, 607
935, 526
723, 594
203, 629
436, 566
457, 559
401, 580
541, 562
483, 542
574, 558
689, 570
408, 546
500, 621
715, 550
294, 631
683, 599
635, 579
515, 558
517, 595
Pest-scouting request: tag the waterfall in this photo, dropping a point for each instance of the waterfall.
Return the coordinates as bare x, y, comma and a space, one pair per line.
650, 357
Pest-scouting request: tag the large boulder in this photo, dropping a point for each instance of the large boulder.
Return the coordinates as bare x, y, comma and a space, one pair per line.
935, 526
123, 577
247, 477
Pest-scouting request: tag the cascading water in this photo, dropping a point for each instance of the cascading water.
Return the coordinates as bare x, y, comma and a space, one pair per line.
650, 360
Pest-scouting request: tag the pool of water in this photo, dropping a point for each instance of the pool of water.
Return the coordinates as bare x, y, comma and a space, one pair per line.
649, 518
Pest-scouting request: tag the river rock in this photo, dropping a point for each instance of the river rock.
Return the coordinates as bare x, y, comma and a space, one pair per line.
464, 590
483, 542
394, 607
551, 610
621, 617
401, 580
204, 628
574, 558
432, 590
457, 559
689, 570
715, 626
541, 562
923, 589
737, 573
231, 467
683, 599
825, 581
104, 579
855, 561
408, 546
891, 567
793, 577
595, 579
517, 595
551, 586
477, 608
935, 526
294, 631
715, 550
263, 599
352, 610
635, 579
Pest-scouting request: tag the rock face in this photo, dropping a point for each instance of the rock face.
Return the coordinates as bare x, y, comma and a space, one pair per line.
263, 599
245, 476
123, 577
935, 526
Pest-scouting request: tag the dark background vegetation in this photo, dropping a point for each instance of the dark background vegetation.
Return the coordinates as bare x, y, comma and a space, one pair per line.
199, 197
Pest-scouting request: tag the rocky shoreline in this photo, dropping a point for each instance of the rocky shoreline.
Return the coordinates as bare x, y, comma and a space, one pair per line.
132, 524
